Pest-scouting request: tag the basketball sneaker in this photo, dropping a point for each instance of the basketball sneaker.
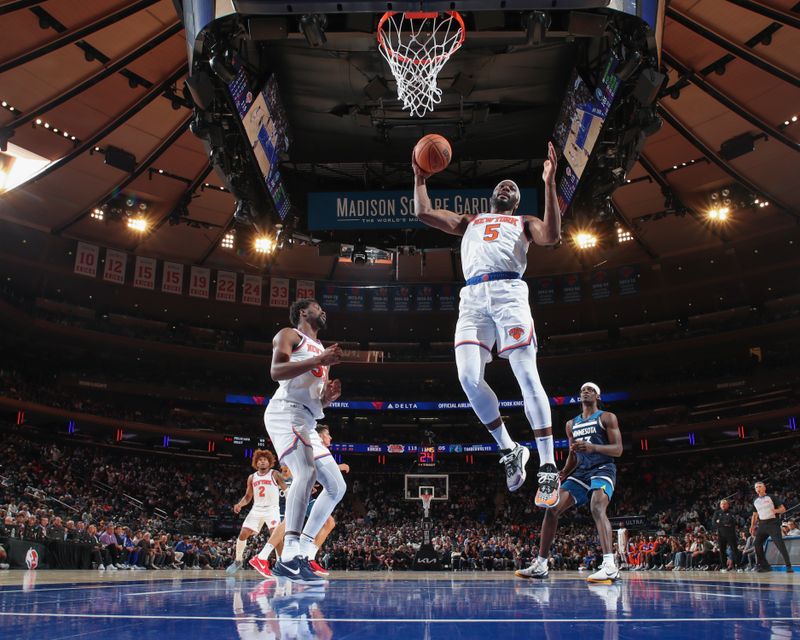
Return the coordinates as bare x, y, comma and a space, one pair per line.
233, 567
262, 566
297, 570
605, 575
549, 484
536, 570
515, 460
317, 568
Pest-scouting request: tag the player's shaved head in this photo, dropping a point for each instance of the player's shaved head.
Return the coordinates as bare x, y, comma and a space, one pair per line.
505, 197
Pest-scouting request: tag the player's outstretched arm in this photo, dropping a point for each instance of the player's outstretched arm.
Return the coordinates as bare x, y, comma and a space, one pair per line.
283, 368
442, 219
547, 231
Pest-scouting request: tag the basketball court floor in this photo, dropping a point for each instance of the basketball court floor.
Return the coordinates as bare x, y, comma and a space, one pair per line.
494, 606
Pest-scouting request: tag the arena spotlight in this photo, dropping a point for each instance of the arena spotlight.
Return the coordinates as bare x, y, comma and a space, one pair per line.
585, 240
227, 240
264, 244
98, 214
623, 235
718, 214
137, 224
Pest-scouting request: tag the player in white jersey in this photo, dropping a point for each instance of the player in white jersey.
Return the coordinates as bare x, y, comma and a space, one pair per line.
329, 475
263, 488
494, 309
300, 364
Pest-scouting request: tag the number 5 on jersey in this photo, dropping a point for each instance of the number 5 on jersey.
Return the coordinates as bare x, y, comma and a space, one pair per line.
491, 233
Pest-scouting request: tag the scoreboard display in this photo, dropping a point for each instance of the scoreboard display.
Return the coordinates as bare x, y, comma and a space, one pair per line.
427, 457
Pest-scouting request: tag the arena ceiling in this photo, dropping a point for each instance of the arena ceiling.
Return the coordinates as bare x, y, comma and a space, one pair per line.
77, 78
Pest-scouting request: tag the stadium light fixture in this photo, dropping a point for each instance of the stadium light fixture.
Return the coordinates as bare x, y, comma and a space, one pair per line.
585, 240
264, 244
137, 224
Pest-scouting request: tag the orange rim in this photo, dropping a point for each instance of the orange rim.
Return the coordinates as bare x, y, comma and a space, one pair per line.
419, 15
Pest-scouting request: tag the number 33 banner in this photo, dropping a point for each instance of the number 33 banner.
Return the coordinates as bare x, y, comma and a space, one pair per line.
279, 292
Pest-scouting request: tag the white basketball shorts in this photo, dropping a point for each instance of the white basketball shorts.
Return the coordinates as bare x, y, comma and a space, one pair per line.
289, 425
495, 312
257, 518
320, 450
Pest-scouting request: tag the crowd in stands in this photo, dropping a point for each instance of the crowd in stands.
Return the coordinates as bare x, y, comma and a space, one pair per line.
140, 511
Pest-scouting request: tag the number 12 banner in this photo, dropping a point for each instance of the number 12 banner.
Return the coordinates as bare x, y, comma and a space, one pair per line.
114, 271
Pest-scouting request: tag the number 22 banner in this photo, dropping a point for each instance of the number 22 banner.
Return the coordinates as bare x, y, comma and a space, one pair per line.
226, 286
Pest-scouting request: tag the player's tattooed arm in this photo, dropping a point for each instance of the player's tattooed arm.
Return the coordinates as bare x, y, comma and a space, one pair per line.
442, 219
282, 368
248, 496
331, 392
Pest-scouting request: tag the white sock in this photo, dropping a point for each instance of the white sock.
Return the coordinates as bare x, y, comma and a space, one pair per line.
545, 447
291, 547
608, 560
266, 552
308, 548
501, 437
240, 546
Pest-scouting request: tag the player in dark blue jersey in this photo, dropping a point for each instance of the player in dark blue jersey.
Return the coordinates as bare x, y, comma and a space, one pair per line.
589, 475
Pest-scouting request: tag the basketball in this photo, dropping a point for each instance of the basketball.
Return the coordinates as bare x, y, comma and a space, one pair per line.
433, 153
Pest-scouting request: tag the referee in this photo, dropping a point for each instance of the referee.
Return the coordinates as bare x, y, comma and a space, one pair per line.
768, 508
725, 523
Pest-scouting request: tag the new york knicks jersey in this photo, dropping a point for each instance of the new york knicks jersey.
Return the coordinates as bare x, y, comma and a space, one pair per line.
590, 430
494, 242
305, 389
265, 491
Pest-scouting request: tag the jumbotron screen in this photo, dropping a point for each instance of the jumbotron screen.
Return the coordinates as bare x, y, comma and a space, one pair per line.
579, 124
265, 123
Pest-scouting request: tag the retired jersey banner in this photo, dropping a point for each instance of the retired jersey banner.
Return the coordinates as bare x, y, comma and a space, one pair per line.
401, 298
628, 280
601, 287
306, 289
448, 297
199, 282
333, 210
544, 290
571, 287
251, 290
226, 286
354, 298
379, 299
144, 274
424, 298
172, 278
114, 270
86, 258
278, 291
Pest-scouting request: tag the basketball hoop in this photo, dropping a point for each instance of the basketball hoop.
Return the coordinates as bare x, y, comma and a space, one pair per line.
426, 502
417, 44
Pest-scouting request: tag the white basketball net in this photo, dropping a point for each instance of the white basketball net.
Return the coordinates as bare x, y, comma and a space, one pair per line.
417, 45
426, 503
